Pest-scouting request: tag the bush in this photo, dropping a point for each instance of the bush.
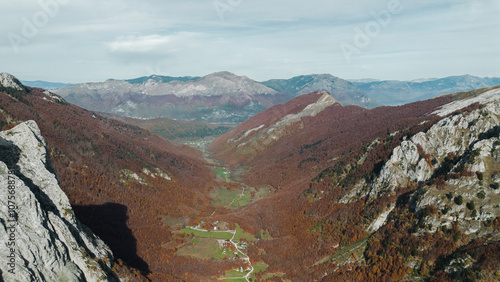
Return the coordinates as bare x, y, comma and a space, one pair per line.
445, 210
494, 186
481, 195
458, 200
480, 175
470, 205
474, 213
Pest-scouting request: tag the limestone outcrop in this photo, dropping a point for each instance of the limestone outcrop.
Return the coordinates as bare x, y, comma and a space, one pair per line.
41, 238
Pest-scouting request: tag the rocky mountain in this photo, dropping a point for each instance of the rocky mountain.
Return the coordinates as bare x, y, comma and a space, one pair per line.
392, 92
42, 238
224, 97
453, 171
342, 90
8, 81
219, 97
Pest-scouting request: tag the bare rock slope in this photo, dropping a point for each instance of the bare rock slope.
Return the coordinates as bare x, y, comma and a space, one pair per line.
44, 240
458, 157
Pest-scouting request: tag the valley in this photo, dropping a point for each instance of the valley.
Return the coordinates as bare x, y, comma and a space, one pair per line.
215, 240
308, 189
250, 141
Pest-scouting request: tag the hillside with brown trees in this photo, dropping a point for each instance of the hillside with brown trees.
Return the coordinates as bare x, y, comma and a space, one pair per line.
299, 194
100, 164
333, 138
313, 165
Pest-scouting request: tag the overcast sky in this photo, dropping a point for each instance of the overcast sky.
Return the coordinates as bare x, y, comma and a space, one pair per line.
86, 40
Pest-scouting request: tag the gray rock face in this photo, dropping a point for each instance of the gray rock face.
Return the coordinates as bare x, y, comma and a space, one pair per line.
45, 241
455, 134
9, 81
463, 142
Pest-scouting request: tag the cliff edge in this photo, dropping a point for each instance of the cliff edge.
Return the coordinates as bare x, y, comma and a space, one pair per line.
43, 240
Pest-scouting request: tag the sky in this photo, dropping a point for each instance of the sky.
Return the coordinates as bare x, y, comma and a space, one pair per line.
77, 41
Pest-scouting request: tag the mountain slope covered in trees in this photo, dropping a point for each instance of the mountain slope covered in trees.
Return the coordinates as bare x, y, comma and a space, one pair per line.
120, 179
383, 194
307, 190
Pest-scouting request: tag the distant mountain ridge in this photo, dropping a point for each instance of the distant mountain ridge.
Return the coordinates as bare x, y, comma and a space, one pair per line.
223, 97
45, 84
220, 97
215, 84
394, 92
342, 90
160, 79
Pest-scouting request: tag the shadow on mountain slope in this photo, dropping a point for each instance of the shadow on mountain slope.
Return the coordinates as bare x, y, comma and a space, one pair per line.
109, 222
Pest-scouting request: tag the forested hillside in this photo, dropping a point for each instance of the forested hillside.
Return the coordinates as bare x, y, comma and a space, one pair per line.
120, 179
308, 190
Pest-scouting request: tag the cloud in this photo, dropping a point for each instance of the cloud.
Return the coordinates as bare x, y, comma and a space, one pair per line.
90, 40
139, 44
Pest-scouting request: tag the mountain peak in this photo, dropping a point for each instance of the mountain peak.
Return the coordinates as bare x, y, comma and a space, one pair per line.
226, 76
327, 98
223, 74
9, 81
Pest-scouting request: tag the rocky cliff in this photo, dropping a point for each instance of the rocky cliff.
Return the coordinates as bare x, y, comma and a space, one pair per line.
44, 240
9, 81
456, 164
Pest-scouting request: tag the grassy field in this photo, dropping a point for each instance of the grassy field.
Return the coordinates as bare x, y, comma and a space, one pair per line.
234, 275
203, 234
242, 234
224, 197
222, 172
264, 235
262, 192
204, 248
260, 267
241, 201
223, 253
